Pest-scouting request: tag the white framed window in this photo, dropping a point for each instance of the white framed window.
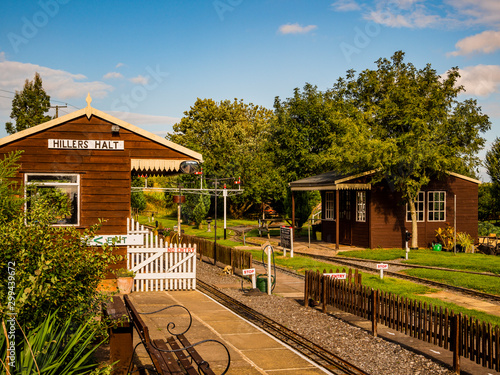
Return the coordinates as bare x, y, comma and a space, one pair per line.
58, 190
436, 205
329, 205
361, 206
419, 207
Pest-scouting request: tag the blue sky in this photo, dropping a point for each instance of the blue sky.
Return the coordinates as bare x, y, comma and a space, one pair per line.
147, 62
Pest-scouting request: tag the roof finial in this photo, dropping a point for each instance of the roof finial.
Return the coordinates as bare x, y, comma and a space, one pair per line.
88, 110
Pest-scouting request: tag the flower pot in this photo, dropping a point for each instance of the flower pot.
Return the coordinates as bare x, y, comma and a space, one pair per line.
125, 284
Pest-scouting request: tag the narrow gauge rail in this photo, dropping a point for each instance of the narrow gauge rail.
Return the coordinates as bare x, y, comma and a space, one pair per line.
322, 357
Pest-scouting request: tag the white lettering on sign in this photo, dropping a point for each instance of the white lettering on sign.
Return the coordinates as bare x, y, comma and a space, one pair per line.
250, 271
382, 266
339, 276
86, 144
117, 240
180, 250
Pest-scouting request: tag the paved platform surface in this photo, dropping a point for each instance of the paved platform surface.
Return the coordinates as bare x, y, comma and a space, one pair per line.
252, 350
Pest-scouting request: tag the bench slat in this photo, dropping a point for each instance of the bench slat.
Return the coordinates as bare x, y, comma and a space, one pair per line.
185, 362
202, 364
168, 358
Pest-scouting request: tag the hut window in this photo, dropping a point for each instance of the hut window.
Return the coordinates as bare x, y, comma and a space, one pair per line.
329, 206
361, 206
59, 192
436, 205
419, 207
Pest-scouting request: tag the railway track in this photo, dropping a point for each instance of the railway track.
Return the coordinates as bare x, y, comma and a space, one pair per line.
322, 357
470, 292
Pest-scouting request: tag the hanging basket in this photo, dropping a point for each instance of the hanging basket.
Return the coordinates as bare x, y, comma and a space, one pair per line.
182, 198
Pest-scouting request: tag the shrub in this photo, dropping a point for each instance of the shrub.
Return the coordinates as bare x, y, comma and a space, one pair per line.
53, 346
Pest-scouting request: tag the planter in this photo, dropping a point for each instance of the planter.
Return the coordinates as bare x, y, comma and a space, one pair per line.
125, 284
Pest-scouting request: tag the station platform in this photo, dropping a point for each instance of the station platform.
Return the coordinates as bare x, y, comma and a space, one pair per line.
252, 350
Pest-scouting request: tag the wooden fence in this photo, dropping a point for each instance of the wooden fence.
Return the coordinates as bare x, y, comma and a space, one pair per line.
227, 255
463, 335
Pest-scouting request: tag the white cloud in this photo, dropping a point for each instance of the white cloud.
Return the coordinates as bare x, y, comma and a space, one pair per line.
480, 80
144, 120
140, 80
112, 75
346, 5
57, 83
485, 42
120, 64
403, 13
425, 14
295, 29
483, 12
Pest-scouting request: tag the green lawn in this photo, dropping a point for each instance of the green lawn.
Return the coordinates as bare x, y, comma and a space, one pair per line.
427, 257
486, 284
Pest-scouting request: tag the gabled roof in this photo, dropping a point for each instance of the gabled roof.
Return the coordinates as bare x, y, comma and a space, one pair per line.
334, 180
89, 112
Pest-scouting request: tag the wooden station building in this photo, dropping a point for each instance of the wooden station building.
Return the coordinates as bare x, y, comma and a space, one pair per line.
360, 213
92, 157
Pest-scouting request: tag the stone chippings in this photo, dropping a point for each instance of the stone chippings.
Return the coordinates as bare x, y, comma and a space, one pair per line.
373, 355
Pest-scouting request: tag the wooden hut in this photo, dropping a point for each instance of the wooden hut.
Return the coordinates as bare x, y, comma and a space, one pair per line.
360, 213
92, 157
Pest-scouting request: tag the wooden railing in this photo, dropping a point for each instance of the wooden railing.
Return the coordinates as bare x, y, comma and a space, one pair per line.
225, 254
461, 334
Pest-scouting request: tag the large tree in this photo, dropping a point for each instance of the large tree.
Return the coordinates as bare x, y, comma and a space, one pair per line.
29, 106
304, 128
233, 138
409, 126
492, 164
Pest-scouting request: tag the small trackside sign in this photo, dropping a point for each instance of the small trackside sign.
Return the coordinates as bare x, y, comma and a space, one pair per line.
338, 276
382, 266
249, 271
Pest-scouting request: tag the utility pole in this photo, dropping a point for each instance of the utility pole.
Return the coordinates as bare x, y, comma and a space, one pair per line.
57, 108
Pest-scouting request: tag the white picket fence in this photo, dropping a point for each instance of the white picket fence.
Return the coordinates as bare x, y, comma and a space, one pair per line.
158, 265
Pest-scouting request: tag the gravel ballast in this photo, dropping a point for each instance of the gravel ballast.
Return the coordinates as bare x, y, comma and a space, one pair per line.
371, 354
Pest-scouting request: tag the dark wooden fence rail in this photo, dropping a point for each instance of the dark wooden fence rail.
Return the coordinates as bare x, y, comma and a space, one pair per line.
463, 335
227, 255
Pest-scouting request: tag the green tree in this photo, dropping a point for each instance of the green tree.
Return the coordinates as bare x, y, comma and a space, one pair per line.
233, 139
305, 127
137, 198
492, 165
409, 126
487, 202
29, 106
10, 201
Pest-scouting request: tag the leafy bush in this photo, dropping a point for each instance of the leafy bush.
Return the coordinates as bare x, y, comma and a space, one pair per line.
53, 346
485, 228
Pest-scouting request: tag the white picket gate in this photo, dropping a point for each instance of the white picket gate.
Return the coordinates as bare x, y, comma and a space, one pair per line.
158, 265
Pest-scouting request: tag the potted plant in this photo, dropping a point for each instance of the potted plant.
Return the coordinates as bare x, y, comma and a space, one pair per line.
125, 280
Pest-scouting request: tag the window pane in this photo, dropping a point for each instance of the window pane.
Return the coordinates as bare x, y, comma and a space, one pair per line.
60, 179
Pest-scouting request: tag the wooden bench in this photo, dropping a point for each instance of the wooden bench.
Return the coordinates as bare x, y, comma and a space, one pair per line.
176, 355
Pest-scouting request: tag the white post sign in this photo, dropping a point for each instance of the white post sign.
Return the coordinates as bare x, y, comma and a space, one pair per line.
118, 239
382, 267
251, 272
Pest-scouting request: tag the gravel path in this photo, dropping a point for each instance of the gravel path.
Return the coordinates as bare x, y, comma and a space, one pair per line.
373, 355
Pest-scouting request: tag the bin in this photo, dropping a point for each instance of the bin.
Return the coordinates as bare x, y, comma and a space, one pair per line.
437, 247
262, 283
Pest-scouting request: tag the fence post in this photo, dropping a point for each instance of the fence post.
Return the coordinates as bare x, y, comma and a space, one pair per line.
306, 290
455, 336
323, 297
374, 311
